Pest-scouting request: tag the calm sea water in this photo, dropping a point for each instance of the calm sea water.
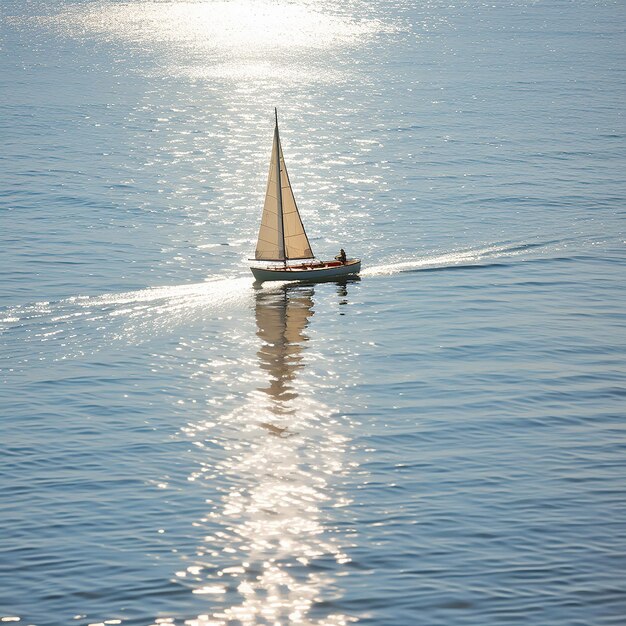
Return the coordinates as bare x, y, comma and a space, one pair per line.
440, 442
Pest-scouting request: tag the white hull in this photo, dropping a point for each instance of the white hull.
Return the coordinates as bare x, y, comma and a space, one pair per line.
322, 272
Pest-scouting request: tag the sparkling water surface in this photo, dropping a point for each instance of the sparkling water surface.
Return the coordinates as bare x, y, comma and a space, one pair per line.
440, 441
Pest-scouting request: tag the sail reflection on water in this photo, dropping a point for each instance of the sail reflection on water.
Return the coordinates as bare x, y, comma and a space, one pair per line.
273, 550
282, 318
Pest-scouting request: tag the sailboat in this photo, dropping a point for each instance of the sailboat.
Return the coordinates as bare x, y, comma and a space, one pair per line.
283, 251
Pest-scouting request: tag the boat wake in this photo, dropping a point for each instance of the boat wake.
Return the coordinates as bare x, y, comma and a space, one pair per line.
469, 257
73, 326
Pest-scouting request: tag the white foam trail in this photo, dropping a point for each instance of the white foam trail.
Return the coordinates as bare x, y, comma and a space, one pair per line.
211, 294
449, 259
216, 292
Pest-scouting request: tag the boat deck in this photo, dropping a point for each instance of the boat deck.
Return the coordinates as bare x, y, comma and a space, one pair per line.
312, 266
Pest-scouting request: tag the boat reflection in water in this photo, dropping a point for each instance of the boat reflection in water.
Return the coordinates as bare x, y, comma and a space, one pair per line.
274, 549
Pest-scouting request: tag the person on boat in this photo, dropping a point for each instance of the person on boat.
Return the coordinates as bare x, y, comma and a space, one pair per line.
341, 256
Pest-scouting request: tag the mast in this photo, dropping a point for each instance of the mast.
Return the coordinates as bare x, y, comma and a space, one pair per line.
279, 194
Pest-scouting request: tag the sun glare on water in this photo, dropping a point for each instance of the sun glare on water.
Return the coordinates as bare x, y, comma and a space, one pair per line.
239, 39
243, 25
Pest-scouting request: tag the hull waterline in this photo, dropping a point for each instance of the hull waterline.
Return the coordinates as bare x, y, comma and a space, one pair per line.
262, 274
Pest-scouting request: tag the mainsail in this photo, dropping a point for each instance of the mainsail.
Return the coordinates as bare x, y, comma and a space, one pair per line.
281, 236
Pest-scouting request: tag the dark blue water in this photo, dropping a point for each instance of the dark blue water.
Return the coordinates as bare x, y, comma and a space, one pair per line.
440, 442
